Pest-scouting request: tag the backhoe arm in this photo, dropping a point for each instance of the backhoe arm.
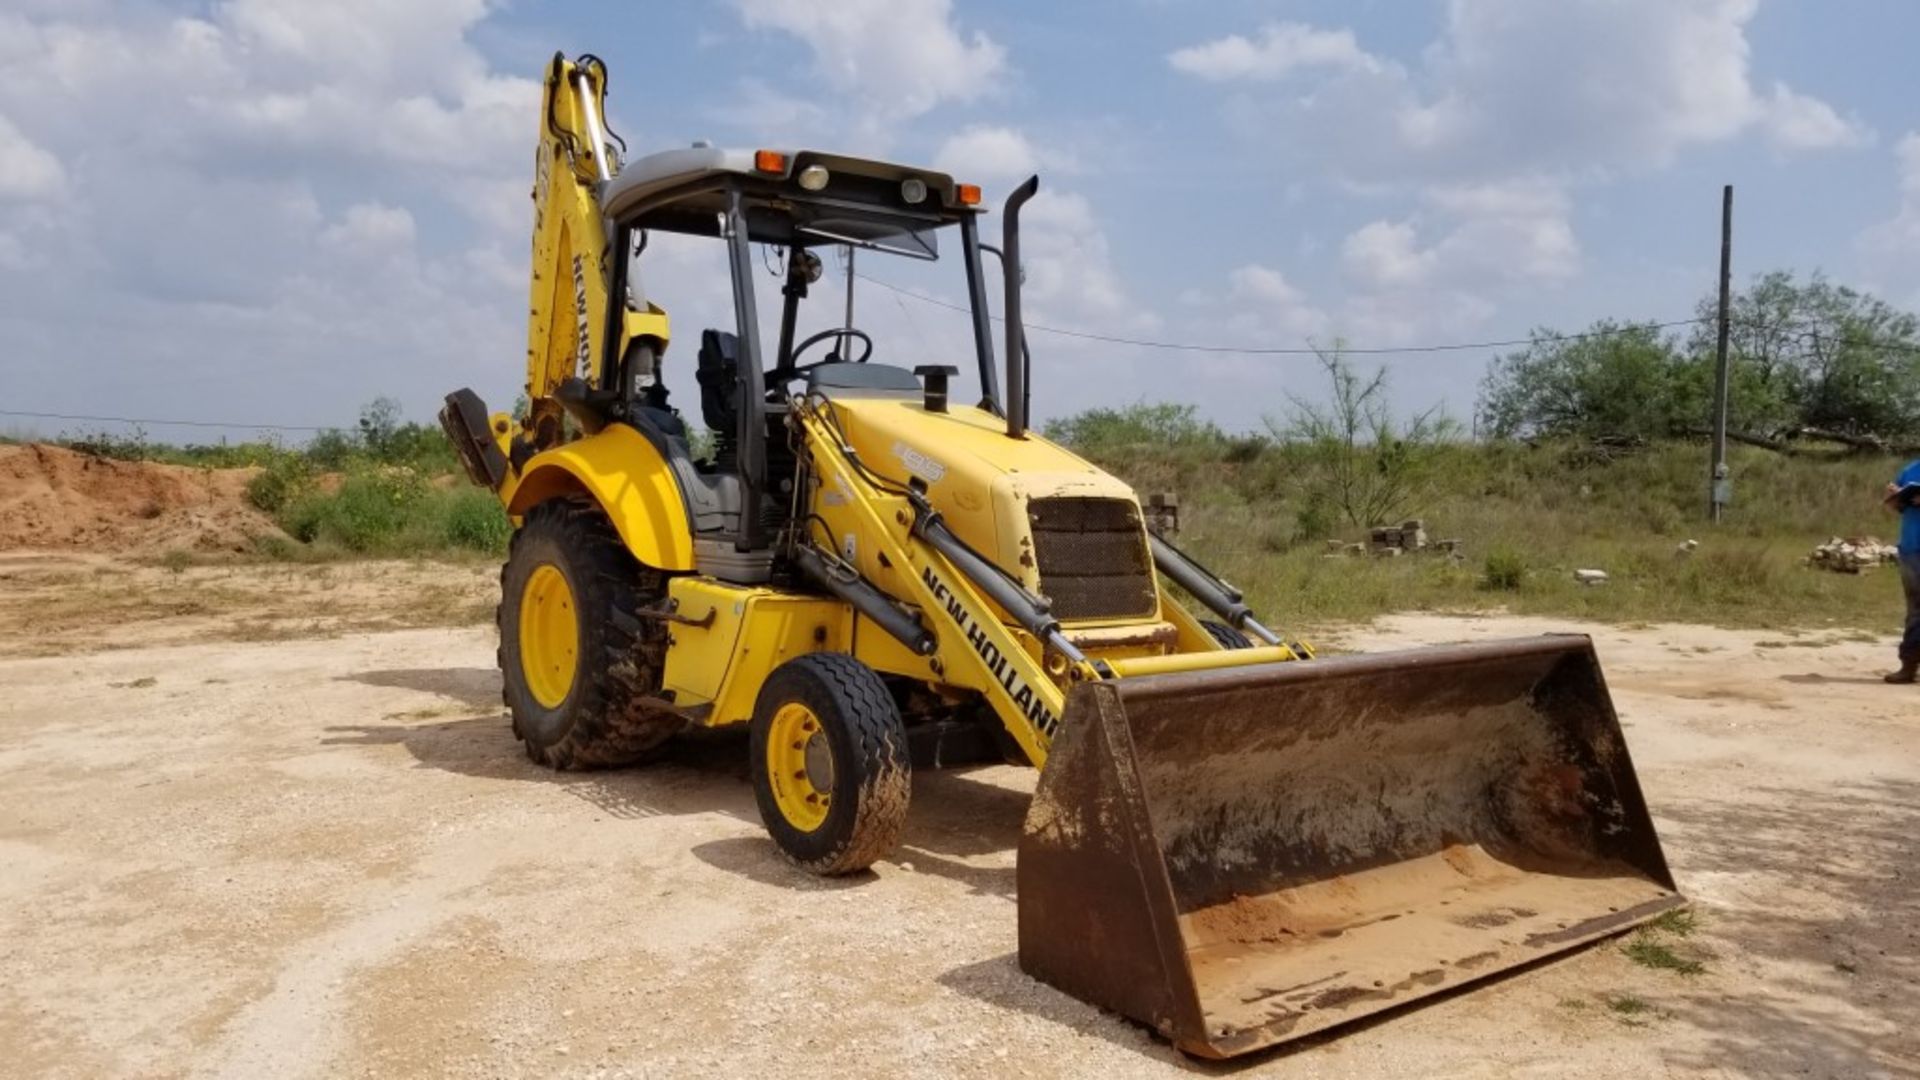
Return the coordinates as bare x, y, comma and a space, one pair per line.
575, 326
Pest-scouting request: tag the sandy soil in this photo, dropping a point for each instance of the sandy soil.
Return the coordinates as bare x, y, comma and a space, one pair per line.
328, 857
52, 497
54, 603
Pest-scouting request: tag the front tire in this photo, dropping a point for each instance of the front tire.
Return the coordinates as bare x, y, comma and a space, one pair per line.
830, 767
580, 671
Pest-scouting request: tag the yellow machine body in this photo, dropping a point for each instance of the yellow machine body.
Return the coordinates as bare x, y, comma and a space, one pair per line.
627, 478
728, 638
1233, 842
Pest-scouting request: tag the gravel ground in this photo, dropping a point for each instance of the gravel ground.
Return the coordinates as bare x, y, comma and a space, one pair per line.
328, 857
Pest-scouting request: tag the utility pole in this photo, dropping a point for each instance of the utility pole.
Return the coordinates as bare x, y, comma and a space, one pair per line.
1719, 484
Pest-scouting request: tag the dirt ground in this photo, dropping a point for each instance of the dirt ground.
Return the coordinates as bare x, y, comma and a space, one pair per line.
249, 853
54, 497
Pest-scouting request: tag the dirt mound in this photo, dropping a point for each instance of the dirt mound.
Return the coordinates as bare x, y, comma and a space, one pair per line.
51, 497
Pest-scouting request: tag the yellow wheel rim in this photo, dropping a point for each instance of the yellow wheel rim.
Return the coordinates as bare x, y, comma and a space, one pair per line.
799, 766
549, 635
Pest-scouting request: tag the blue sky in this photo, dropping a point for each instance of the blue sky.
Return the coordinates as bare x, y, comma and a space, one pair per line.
275, 210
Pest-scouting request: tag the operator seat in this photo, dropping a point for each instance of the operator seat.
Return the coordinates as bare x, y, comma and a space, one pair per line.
718, 371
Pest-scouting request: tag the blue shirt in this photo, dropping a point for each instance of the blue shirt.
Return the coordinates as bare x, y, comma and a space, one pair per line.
1910, 517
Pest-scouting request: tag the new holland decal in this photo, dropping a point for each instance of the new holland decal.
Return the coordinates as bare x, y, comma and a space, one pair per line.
1003, 670
584, 354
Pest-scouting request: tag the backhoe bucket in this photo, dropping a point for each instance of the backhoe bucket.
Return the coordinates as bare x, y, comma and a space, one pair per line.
1239, 857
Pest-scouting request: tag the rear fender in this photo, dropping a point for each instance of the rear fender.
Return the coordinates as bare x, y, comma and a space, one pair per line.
630, 480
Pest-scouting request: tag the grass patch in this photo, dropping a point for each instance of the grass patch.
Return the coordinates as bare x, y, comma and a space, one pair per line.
1680, 922
391, 511
1633, 1011
1504, 571
1526, 517
1647, 952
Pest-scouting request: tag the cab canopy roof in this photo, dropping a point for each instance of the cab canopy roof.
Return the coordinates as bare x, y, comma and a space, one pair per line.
862, 202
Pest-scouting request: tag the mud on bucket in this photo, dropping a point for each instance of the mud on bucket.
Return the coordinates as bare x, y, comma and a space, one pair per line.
1240, 857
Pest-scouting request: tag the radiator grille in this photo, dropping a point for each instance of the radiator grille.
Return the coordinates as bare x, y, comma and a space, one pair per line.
1092, 557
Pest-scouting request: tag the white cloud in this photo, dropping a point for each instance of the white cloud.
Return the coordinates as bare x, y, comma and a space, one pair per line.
1069, 266
1265, 285
984, 153
1573, 88
1482, 137
371, 229
1385, 254
1280, 50
1264, 308
26, 170
1529, 196
301, 86
1443, 270
1888, 248
1797, 122
897, 58
269, 193
1908, 153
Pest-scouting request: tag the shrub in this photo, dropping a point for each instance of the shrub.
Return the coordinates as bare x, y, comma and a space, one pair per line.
132, 446
475, 520
330, 449
1139, 424
1242, 449
1315, 520
1504, 571
367, 513
283, 478
1357, 458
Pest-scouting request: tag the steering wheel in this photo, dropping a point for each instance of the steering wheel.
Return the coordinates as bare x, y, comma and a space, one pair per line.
865, 341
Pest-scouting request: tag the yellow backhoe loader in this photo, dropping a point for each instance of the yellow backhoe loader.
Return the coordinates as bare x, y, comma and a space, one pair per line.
1231, 841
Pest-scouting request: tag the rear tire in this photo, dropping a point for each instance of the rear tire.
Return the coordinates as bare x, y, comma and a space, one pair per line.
1226, 636
585, 700
831, 772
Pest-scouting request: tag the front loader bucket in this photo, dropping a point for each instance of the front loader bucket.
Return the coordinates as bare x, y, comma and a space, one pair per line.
1241, 856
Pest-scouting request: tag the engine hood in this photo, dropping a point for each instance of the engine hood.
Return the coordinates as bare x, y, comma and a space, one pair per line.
980, 480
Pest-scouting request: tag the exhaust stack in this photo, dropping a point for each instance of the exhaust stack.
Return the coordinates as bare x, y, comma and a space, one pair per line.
1016, 336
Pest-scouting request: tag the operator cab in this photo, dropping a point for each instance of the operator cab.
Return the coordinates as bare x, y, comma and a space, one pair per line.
798, 203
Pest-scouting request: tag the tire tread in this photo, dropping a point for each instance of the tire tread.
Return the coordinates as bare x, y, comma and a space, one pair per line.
613, 723
869, 717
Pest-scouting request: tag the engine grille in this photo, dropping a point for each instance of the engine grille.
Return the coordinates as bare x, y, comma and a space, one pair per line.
1092, 557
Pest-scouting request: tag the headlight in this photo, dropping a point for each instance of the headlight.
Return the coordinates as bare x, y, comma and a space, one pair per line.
913, 189
813, 177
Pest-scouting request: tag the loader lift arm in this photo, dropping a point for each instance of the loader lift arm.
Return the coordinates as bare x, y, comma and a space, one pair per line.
1024, 670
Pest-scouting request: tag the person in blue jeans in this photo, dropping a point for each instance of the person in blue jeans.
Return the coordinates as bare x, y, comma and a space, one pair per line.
1904, 499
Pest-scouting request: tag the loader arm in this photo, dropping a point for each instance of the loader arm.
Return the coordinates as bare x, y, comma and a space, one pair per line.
974, 649
1025, 673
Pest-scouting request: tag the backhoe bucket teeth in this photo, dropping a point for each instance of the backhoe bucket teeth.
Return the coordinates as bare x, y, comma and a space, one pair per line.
1239, 857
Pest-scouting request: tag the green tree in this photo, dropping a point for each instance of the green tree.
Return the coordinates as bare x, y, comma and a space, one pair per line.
1357, 460
1611, 380
1157, 423
379, 425
1817, 355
